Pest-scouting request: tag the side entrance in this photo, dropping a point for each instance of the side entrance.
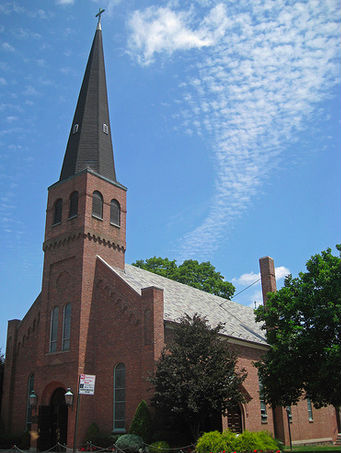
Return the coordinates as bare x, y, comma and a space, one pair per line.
52, 421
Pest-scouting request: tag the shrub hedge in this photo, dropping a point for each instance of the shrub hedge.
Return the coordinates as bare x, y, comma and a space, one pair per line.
214, 442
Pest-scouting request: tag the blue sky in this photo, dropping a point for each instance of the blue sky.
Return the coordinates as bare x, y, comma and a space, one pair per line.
226, 130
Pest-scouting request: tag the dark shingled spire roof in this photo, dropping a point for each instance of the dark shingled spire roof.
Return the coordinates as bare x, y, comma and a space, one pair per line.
89, 144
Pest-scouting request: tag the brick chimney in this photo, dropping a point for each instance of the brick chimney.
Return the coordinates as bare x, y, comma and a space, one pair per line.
268, 278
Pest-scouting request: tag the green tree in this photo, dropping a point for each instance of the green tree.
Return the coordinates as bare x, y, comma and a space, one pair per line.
141, 424
303, 328
199, 275
196, 376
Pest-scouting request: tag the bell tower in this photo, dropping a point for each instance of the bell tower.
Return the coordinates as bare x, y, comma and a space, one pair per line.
86, 214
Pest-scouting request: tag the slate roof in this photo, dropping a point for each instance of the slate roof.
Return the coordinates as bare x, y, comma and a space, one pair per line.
180, 299
89, 144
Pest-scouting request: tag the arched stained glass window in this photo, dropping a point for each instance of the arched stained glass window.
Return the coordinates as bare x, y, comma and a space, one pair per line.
66, 327
115, 213
54, 329
73, 206
58, 209
119, 397
97, 205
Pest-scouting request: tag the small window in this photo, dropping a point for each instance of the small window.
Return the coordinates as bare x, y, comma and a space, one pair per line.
105, 128
119, 397
58, 209
75, 128
97, 205
73, 206
263, 412
115, 213
310, 410
54, 329
66, 327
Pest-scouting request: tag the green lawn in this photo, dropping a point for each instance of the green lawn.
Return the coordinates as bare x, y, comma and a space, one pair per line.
314, 448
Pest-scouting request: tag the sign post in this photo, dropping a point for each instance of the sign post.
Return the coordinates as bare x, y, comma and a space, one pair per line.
86, 386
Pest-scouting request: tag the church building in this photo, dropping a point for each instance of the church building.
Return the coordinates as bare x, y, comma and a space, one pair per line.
98, 316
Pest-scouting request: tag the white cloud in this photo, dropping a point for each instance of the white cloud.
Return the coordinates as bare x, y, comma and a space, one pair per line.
30, 91
3, 81
281, 272
161, 29
246, 279
65, 2
263, 67
8, 47
251, 277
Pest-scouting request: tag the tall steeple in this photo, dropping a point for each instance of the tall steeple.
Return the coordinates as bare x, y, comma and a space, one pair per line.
89, 145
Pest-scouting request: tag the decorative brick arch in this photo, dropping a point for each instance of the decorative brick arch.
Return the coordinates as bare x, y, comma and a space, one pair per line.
48, 392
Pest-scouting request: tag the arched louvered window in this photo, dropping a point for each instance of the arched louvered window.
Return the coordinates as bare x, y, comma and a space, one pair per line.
97, 205
30, 387
54, 329
115, 213
119, 397
73, 206
66, 327
58, 209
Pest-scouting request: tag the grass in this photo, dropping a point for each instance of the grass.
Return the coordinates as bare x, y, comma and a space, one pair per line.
314, 448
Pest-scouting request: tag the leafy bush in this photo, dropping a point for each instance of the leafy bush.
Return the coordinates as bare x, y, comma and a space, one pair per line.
161, 446
210, 442
266, 442
142, 422
99, 438
92, 433
229, 441
130, 443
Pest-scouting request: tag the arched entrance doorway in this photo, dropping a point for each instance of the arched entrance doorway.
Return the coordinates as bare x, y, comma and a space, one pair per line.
52, 421
235, 419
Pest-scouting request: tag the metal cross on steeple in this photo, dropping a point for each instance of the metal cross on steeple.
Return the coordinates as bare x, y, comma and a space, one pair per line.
100, 12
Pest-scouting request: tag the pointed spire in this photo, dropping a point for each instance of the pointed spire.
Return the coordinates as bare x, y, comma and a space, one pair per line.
89, 144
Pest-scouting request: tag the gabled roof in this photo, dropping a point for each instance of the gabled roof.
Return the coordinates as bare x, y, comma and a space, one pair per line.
89, 144
180, 299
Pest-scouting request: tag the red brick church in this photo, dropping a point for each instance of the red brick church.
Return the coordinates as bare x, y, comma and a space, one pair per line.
98, 316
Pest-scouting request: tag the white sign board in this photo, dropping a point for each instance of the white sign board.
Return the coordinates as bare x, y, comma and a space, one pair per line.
87, 384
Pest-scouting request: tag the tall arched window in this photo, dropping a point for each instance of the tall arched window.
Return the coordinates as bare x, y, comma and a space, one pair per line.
57, 214
73, 206
66, 327
30, 387
119, 397
115, 213
97, 205
54, 329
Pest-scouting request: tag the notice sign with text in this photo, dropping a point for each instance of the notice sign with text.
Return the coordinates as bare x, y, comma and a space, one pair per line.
87, 384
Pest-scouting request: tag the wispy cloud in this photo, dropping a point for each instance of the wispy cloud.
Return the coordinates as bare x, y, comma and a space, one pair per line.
7, 47
263, 68
160, 29
251, 277
65, 2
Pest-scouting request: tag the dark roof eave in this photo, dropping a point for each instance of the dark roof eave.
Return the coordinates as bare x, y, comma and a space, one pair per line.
89, 170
